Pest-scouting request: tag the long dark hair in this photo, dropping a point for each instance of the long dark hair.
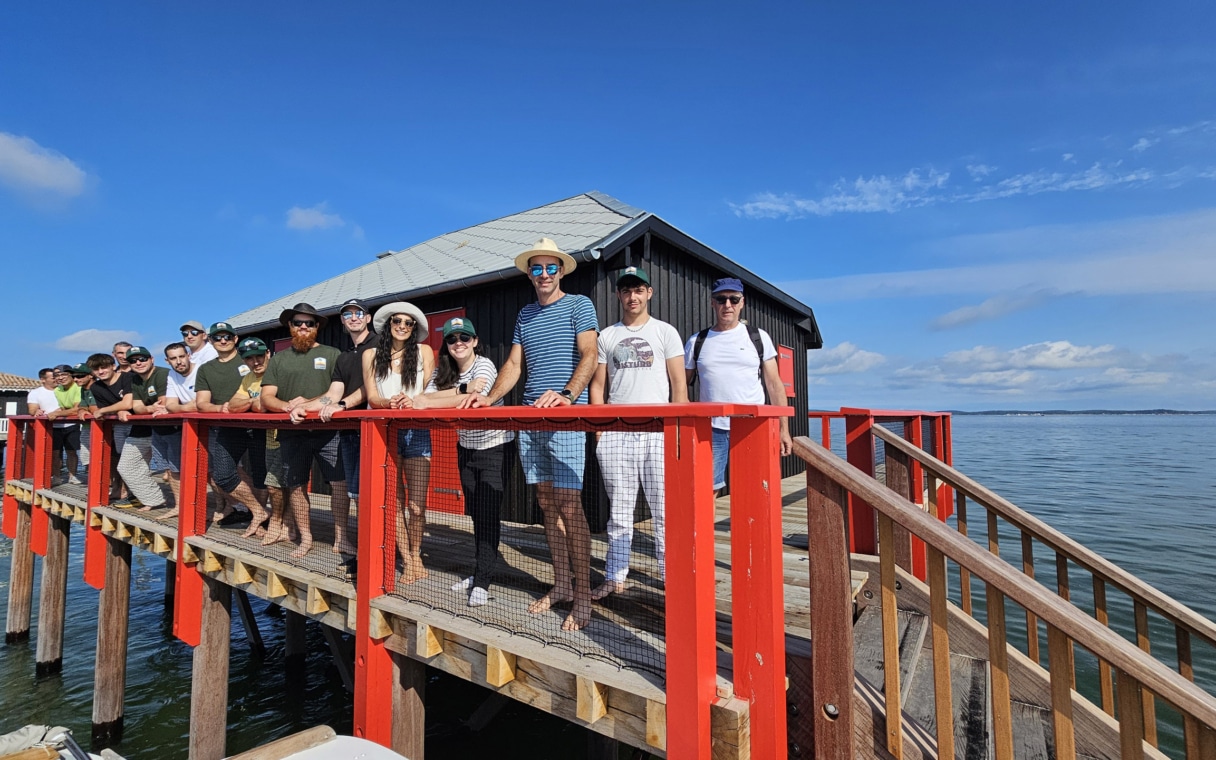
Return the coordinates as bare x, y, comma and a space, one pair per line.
447, 371
410, 361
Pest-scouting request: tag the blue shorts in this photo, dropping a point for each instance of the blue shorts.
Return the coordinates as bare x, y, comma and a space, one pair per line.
553, 456
413, 443
348, 447
167, 446
721, 444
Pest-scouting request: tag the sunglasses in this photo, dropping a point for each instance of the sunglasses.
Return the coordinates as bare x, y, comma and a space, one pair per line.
191, 333
223, 338
303, 323
458, 338
406, 321
733, 299
140, 359
349, 315
550, 269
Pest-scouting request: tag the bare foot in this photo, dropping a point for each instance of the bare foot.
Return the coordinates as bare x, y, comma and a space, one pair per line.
146, 508
555, 596
168, 515
274, 536
345, 547
221, 514
579, 616
305, 548
420, 571
608, 587
407, 575
257, 527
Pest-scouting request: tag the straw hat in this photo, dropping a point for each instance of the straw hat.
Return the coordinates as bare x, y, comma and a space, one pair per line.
421, 330
545, 247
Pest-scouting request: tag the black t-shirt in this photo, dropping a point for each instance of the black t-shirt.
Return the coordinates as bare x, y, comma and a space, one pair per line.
349, 367
109, 395
148, 392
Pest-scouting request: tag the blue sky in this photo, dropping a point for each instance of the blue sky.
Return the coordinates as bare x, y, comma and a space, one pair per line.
987, 207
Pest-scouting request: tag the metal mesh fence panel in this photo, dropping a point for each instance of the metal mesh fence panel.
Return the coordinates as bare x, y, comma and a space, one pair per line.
553, 532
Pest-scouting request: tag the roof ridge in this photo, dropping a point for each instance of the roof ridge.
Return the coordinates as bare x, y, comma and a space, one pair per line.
612, 204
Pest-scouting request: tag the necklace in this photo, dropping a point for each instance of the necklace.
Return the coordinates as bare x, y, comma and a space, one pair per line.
634, 329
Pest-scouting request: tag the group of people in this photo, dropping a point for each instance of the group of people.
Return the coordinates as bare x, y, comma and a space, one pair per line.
568, 360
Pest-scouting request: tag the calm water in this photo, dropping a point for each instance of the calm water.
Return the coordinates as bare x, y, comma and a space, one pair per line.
1139, 490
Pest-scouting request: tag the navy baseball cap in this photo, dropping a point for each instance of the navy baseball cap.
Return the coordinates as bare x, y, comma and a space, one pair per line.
728, 283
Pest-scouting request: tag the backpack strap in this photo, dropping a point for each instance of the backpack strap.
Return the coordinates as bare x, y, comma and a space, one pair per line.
696, 352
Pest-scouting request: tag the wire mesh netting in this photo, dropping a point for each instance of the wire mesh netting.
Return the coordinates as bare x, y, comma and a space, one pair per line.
554, 533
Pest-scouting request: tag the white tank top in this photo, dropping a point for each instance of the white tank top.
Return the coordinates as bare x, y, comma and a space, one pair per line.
390, 385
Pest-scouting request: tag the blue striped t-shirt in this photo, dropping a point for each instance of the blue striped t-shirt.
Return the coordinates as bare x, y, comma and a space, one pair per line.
548, 335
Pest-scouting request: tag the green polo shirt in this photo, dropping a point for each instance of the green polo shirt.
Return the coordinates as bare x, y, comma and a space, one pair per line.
223, 379
305, 374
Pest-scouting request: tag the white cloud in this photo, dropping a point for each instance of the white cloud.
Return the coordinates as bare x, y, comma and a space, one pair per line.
317, 217
28, 167
993, 308
95, 341
1048, 355
1069, 158
1144, 143
845, 358
862, 195
979, 171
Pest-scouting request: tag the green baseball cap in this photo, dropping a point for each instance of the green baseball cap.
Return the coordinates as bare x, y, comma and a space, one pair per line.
459, 325
220, 327
81, 369
632, 273
252, 347
135, 351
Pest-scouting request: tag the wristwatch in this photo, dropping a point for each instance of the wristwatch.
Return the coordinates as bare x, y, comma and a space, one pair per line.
342, 403
464, 388
566, 393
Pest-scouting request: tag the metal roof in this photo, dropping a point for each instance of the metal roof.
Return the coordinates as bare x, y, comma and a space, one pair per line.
10, 382
586, 226
483, 251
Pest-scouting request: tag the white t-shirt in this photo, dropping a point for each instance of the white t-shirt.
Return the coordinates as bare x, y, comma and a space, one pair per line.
636, 361
46, 400
203, 355
728, 369
182, 387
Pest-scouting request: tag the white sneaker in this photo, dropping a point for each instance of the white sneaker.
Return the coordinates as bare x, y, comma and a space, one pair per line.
463, 585
478, 596
75, 480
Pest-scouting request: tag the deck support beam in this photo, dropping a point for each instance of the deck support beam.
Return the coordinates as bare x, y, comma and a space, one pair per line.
250, 624
209, 682
52, 601
294, 646
110, 677
409, 707
21, 581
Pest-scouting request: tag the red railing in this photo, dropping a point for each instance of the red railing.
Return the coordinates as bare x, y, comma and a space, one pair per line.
758, 629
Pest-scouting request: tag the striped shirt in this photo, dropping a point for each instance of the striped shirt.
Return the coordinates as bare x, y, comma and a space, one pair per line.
549, 337
482, 368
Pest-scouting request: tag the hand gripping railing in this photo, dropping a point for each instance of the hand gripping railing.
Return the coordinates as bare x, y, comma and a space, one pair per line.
830, 481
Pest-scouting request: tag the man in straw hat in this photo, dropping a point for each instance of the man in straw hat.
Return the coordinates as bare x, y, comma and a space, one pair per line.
293, 378
556, 337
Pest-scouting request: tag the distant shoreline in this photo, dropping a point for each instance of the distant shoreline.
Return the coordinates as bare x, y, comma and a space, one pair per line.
1047, 412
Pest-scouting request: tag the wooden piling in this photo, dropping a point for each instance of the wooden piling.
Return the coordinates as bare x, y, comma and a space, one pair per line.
21, 582
170, 582
409, 707
209, 684
52, 600
250, 623
293, 637
110, 678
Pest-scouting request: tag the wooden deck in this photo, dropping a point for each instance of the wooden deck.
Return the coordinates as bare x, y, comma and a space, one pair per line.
616, 662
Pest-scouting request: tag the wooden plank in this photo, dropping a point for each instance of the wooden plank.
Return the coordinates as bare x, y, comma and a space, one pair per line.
939, 620
1143, 641
500, 666
1032, 620
342, 658
998, 659
409, 707
250, 624
241, 574
1060, 657
1131, 717
110, 665
209, 681
317, 603
211, 562
591, 699
275, 589
378, 627
429, 640
656, 724
1105, 681
890, 638
1186, 669
280, 749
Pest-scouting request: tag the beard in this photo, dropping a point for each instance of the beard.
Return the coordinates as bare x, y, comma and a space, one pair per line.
302, 340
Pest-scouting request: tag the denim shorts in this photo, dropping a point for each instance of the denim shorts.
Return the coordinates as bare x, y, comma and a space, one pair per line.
553, 456
348, 446
168, 445
413, 443
721, 444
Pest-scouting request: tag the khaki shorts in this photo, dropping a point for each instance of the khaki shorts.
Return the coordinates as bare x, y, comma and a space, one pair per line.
274, 461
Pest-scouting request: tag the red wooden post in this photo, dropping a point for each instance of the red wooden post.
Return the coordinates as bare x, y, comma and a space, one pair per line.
859, 449
914, 432
40, 521
691, 627
825, 424
757, 590
191, 521
941, 445
101, 452
373, 663
14, 451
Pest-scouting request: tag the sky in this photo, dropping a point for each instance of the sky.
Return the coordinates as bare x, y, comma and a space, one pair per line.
988, 206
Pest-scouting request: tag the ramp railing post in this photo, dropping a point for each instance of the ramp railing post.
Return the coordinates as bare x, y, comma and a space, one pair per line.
373, 718
859, 450
191, 521
101, 454
14, 455
41, 475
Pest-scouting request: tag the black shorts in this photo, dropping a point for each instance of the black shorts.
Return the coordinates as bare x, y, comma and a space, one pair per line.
66, 437
300, 447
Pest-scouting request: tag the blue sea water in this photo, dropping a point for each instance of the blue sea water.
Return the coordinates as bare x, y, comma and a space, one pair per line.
1141, 490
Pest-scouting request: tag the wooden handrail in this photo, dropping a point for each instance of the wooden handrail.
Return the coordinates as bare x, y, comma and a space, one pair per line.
998, 574
1162, 603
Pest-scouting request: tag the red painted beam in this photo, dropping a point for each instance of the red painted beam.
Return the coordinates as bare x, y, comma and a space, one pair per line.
41, 474
101, 454
373, 663
191, 521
